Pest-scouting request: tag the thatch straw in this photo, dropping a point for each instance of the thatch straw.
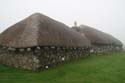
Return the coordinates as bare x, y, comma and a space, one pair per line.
40, 30
97, 37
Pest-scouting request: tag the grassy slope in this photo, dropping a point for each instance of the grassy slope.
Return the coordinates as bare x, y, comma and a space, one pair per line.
94, 69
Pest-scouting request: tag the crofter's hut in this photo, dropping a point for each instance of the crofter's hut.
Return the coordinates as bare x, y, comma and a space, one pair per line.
39, 42
100, 41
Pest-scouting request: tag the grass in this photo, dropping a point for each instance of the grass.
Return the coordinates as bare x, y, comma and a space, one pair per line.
94, 69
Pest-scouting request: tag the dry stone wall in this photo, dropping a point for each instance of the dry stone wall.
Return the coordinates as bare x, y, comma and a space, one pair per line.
40, 58
105, 48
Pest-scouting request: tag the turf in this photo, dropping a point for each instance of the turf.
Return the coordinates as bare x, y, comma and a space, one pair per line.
94, 69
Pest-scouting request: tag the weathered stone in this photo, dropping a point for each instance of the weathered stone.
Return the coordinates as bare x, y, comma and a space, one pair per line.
92, 50
36, 60
46, 67
63, 58
53, 47
39, 59
28, 49
38, 48
21, 50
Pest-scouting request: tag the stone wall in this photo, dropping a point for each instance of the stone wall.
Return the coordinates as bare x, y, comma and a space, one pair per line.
105, 48
40, 58
124, 48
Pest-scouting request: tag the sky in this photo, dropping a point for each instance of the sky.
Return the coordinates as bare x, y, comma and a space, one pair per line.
105, 15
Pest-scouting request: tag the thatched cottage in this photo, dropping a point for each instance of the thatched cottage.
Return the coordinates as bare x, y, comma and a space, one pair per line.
39, 42
100, 41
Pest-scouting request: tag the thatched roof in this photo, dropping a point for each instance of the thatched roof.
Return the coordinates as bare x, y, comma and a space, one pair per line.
40, 30
97, 37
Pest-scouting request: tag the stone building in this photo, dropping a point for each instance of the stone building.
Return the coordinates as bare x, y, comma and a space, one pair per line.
100, 41
39, 42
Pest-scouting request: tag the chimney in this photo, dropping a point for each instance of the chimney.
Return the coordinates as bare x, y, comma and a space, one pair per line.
75, 23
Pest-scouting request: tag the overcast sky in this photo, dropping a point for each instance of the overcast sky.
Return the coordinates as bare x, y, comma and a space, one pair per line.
105, 15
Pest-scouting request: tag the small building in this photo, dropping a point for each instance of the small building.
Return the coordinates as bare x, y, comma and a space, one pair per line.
100, 41
39, 42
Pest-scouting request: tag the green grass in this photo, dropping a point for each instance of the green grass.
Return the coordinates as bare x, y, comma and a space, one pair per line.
93, 69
